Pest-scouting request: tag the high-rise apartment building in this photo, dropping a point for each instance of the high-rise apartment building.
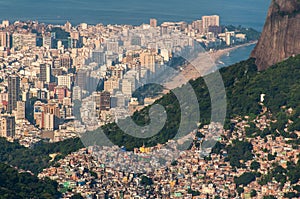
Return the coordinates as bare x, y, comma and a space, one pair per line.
102, 100
77, 93
49, 122
147, 60
4, 39
98, 56
20, 113
66, 61
45, 73
229, 38
5, 23
20, 40
47, 116
207, 21
60, 92
13, 92
65, 80
198, 25
128, 86
7, 126
112, 84
153, 23
117, 72
81, 79
48, 40
113, 46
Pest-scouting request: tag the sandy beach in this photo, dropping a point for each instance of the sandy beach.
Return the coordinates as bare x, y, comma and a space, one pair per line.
216, 55
204, 64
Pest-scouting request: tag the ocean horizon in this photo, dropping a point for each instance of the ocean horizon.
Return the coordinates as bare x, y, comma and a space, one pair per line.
248, 13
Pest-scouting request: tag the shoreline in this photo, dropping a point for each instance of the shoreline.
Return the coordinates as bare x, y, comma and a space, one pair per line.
201, 66
217, 54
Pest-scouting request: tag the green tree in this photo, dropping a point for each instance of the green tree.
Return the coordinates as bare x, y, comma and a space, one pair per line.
240, 190
253, 193
146, 181
255, 165
77, 196
244, 179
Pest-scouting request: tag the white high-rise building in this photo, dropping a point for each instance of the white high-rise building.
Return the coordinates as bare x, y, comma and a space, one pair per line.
207, 21
5, 23
77, 93
65, 80
49, 122
165, 54
229, 38
45, 73
128, 87
20, 113
48, 41
7, 126
4, 39
20, 40
113, 46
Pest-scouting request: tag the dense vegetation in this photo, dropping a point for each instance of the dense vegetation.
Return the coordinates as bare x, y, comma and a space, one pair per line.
37, 158
61, 35
239, 151
148, 90
251, 33
243, 84
244, 179
15, 185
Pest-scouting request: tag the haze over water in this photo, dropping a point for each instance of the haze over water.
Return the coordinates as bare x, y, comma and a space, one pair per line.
249, 13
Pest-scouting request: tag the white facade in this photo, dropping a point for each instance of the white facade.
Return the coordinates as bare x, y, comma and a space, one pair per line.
213, 20
49, 122
65, 80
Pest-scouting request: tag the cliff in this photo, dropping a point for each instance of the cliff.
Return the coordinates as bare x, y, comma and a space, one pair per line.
280, 38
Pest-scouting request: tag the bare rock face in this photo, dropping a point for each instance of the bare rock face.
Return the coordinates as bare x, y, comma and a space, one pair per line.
280, 38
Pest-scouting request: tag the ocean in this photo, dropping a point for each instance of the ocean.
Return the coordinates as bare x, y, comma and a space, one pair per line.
250, 13
236, 56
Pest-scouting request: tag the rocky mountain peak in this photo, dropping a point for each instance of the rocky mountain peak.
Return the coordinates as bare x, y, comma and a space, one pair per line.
280, 38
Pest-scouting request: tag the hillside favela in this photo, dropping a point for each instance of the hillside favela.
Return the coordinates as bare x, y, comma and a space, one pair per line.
198, 108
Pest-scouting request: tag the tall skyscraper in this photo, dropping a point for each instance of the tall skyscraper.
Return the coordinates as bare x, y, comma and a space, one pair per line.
66, 61
102, 100
49, 122
147, 60
128, 86
198, 25
7, 126
5, 39
48, 41
45, 73
20, 113
207, 21
65, 80
13, 92
82, 77
23, 40
229, 37
105, 101
77, 93
98, 56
